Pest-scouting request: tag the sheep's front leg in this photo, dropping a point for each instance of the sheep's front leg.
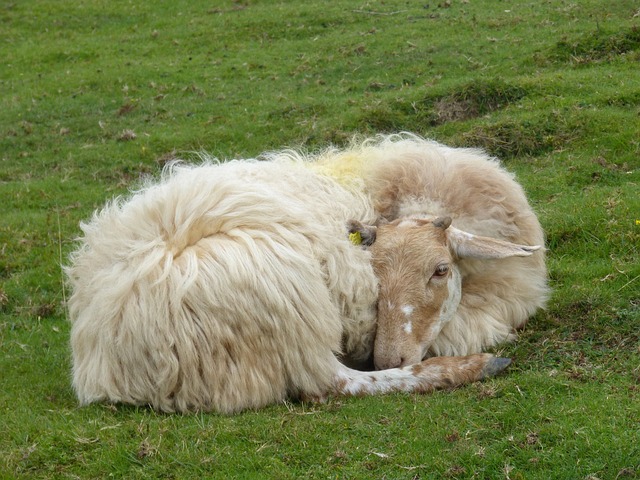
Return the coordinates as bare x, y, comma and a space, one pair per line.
431, 374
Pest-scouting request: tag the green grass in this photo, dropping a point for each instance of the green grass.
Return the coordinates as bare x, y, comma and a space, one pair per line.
551, 87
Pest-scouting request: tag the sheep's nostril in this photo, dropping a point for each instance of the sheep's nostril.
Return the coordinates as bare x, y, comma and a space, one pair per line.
387, 363
403, 362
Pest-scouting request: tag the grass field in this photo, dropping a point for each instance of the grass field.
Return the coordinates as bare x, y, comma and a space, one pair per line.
94, 95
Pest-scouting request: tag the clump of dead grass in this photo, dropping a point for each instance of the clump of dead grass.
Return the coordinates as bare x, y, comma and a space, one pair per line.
597, 46
473, 100
464, 102
521, 138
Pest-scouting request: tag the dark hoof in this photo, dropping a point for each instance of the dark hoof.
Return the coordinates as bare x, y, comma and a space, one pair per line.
495, 366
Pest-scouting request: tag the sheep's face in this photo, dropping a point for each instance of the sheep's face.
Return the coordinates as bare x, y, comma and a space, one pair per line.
419, 290
420, 284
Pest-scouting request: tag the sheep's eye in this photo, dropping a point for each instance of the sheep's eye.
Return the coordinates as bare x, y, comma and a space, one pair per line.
441, 271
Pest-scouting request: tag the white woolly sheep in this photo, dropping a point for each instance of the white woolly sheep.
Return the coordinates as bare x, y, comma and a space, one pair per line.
234, 285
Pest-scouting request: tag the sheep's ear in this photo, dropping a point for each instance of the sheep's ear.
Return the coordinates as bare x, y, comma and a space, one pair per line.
442, 222
467, 245
361, 234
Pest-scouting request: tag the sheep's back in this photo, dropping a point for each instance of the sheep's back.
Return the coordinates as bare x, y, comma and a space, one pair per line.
221, 287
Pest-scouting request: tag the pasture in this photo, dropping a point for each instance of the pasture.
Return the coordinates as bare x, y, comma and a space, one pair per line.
96, 95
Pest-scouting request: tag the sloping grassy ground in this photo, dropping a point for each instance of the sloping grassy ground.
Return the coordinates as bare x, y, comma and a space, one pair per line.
96, 94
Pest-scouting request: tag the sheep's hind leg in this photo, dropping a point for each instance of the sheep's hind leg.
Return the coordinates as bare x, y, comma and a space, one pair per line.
431, 374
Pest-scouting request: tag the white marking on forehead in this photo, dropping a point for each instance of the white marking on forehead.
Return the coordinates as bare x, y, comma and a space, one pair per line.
407, 310
407, 327
390, 305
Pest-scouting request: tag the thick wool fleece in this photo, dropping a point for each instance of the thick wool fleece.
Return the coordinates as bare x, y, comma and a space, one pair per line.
225, 286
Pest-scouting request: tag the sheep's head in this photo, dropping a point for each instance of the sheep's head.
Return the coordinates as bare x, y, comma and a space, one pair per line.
420, 284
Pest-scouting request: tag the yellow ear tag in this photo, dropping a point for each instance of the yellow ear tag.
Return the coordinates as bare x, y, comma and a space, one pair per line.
355, 238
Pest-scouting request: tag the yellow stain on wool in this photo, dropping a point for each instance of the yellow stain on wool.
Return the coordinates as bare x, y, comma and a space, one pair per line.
345, 168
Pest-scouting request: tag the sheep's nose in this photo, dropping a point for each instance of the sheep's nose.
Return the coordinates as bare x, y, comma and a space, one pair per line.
395, 361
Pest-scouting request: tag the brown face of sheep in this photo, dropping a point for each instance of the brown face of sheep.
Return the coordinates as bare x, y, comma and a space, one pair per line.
420, 284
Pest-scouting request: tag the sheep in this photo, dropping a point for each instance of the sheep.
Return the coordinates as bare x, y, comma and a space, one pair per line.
460, 258
231, 286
